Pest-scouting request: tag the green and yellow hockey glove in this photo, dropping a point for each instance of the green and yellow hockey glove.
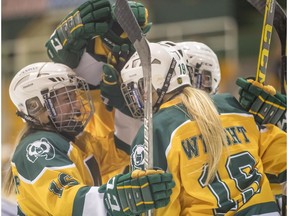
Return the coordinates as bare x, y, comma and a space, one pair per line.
137, 192
67, 43
117, 41
263, 102
111, 91
92, 19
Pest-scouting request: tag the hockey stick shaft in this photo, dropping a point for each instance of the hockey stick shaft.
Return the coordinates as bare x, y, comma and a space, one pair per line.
265, 41
129, 24
280, 25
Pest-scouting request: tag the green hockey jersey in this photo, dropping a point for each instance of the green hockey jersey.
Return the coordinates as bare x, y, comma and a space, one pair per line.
254, 156
54, 177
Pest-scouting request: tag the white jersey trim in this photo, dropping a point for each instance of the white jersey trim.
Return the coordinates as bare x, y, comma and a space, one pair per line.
94, 203
126, 127
239, 114
268, 214
90, 69
42, 172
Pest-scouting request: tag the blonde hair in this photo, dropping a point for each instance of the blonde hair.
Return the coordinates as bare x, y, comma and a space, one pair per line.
8, 183
39, 112
41, 115
200, 106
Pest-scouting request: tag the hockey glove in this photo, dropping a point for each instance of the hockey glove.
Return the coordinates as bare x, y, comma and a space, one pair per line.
67, 43
137, 192
111, 92
118, 42
263, 102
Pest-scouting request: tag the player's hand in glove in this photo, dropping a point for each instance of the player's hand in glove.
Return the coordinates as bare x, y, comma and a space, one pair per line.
110, 90
94, 19
137, 192
263, 102
67, 43
116, 41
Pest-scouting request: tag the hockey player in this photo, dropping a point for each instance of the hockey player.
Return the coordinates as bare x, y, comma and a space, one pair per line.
55, 173
267, 105
221, 163
85, 40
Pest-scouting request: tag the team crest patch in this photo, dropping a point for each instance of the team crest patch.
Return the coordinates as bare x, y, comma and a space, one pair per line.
137, 157
40, 148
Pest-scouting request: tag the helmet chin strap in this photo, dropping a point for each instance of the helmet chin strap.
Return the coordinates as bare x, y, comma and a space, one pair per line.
161, 92
49, 126
28, 118
33, 121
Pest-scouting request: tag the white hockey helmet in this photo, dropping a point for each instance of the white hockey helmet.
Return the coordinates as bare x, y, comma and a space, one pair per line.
168, 43
169, 73
38, 86
203, 66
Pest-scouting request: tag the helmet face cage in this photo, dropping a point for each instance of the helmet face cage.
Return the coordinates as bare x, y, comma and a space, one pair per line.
133, 94
70, 106
201, 78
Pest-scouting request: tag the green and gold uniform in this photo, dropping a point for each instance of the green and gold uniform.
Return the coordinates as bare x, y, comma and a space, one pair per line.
254, 157
49, 168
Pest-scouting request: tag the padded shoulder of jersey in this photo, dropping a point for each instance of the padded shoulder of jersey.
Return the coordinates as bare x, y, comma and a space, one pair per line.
227, 103
40, 150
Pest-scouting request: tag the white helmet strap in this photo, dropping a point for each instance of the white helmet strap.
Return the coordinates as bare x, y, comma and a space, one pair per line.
161, 92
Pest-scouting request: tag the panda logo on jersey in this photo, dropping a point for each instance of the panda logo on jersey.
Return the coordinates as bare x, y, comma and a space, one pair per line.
40, 148
137, 157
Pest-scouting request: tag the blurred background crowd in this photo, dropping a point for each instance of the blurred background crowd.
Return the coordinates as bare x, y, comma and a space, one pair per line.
232, 28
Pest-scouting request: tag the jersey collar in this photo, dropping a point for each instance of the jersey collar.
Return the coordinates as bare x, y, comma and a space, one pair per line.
170, 103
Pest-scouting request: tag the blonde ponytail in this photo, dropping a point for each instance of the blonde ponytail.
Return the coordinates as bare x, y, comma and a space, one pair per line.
8, 181
203, 111
9, 185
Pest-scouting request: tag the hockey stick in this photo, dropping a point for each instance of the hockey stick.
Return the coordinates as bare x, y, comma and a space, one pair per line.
129, 24
265, 40
279, 23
